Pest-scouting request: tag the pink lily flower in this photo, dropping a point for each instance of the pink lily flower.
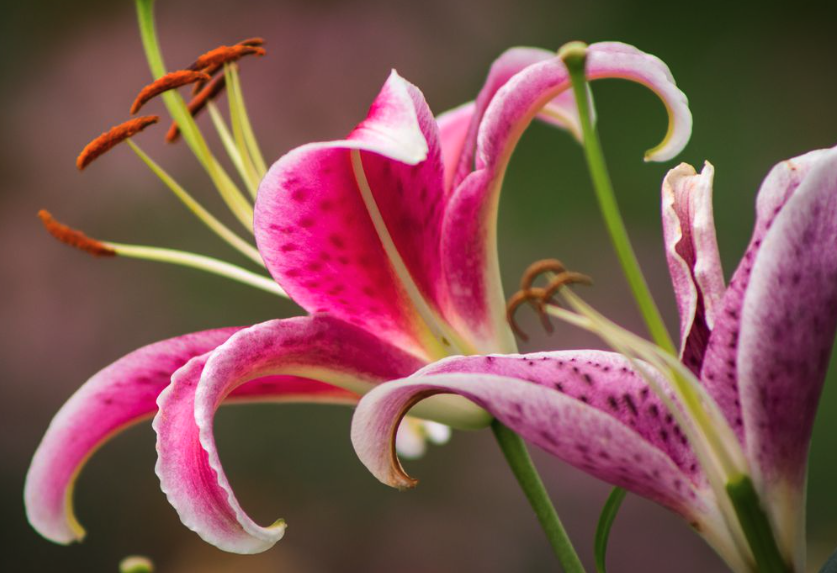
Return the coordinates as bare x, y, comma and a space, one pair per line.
759, 347
388, 238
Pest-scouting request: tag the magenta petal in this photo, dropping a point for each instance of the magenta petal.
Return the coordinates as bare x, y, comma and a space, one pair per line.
693, 259
296, 359
317, 236
116, 397
788, 322
721, 369
192, 477
588, 408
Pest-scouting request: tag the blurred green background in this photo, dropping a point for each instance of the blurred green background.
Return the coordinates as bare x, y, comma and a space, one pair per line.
761, 81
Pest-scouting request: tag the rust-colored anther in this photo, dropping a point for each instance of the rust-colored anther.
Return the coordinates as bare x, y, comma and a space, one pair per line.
168, 82
114, 136
540, 297
538, 268
212, 70
207, 94
74, 238
563, 279
532, 295
224, 55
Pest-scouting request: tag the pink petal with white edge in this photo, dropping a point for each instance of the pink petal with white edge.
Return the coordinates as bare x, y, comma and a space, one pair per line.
303, 358
693, 259
589, 408
788, 324
194, 481
721, 370
116, 397
561, 111
469, 247
318, 235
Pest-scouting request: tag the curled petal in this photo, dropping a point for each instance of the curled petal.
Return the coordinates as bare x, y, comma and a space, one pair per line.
317, 357
588, 408
561, 111
469, 247
693, 259
191, 476
116, 397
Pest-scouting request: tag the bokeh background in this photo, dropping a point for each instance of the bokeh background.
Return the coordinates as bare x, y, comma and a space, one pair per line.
761, 82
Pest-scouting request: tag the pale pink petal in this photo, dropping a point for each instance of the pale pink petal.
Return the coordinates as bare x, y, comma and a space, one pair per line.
587, 407
693, 259
306, 358
469, 251
788, 323
116, 397
318, 237
453, 131
721, 370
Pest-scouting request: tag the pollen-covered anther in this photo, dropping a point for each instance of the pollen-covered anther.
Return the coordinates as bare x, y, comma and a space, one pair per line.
226, 54
170, 81
534, 296
212, 70
207, 94
540, 297
73, 237
113, 137
538, 268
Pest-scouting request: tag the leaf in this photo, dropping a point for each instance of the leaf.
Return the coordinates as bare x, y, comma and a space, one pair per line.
606, 519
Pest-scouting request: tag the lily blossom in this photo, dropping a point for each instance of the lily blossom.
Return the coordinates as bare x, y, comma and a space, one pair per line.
388, 237
760, 348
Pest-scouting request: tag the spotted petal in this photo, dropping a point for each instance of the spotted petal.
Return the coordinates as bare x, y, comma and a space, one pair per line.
311, 358
788, 323
469, 244
116, 397
693, 259
352, 227
587, 407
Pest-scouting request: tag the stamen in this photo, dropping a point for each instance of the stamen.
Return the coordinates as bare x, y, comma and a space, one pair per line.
113, 137
519, 298
538, 268
207, 94
212, 70
73, 237
539, 298
225, 54
168, 82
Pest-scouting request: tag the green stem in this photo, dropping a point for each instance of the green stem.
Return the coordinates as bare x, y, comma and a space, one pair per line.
574, 57
606, 519
756, 527
530, 482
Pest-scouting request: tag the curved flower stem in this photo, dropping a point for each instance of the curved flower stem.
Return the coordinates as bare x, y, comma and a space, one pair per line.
574, 58
530, 482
